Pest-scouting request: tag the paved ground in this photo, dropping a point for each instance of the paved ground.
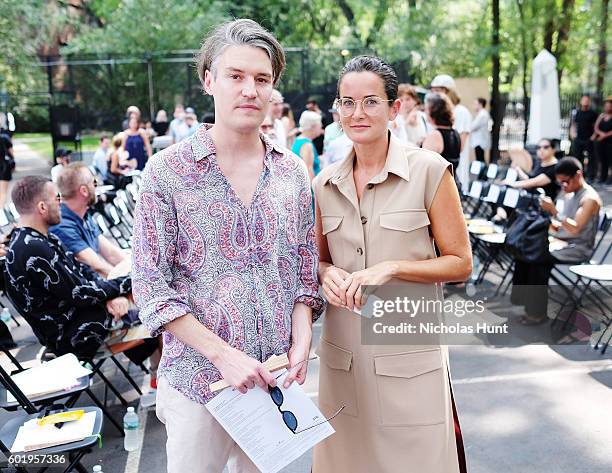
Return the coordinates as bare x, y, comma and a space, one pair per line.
529, 409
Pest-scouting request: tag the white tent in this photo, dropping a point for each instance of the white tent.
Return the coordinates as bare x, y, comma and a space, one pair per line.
544, 115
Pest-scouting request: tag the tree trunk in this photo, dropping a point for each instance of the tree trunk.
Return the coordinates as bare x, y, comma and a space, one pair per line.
602, 55
549, 25
496, 111
567, 12
524, 65
379, 19
350, 17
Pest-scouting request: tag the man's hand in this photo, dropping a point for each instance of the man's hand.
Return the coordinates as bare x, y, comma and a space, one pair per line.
547, 205
331, 280
298, 362
118, 307
241, 371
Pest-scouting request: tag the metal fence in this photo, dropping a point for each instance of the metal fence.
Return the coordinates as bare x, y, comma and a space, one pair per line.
102, 87
513, 128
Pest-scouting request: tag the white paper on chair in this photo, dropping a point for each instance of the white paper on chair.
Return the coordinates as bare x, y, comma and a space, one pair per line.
476, 189
511, 198
256, 425
511, 175
53, 376
492, 171
493, 194
475, 168
32, 436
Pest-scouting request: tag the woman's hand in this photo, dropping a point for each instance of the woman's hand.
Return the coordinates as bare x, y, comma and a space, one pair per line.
331, 280
377, 275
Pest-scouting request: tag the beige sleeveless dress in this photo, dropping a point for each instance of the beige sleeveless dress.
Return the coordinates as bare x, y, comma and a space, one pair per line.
398, 415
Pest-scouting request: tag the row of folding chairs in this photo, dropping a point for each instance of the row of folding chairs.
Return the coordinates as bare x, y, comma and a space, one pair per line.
115, 217
35, 407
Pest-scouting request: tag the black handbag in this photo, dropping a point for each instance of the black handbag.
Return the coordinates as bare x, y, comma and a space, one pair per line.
527, 236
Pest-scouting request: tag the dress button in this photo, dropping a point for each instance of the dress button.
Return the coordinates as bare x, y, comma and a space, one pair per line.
370, 186
364, 220
359, 251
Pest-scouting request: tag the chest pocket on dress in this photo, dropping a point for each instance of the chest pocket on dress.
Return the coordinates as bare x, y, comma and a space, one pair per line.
405, 220
331, 229
407, 229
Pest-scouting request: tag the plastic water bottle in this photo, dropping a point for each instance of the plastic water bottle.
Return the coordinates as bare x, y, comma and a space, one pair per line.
97, 469
5, 315
130, 427
470, 287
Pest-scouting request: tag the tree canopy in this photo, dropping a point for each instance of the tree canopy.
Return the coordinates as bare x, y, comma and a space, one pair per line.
428, 36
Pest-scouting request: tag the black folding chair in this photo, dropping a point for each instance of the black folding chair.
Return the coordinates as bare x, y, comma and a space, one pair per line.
37, 403
75, 450
43, 405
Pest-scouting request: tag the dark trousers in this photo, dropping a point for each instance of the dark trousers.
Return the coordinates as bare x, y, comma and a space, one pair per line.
530, 286
604, 154
584, 148
480, 153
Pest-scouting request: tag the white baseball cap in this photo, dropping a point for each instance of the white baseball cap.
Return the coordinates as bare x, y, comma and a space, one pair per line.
444, 80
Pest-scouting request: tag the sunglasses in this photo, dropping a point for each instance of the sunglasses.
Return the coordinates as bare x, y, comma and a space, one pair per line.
289, 417
543, 147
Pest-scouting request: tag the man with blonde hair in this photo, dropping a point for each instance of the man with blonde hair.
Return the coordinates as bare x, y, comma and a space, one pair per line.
223, 218
77, 230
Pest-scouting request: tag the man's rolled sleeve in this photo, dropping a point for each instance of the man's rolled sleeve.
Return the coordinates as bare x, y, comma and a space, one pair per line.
308, 253
153, 250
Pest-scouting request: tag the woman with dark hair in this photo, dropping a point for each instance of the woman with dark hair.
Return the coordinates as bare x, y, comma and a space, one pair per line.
378, 213
603, 140
443, 139
136, 142
543, 172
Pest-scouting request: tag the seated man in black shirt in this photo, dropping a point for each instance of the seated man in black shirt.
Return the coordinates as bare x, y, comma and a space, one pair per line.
68, 305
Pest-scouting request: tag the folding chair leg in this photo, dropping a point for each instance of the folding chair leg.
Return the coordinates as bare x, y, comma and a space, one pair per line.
105, 412
603, 332
112, 388
127, 375
15, 320
13, 359
605, 346
76, 463
501, 284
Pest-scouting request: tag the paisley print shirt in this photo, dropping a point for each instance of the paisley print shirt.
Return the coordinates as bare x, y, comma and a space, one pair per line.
239, 270
62, 299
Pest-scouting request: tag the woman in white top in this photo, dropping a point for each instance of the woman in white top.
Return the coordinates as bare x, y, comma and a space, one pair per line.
410, 123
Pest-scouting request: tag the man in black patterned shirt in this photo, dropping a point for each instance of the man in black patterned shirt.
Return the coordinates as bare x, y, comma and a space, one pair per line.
68, 305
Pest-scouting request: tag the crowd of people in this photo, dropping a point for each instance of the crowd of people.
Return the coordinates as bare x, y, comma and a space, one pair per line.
591, 135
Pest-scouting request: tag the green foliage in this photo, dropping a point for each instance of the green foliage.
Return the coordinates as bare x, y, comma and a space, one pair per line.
138, 26
421, 37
